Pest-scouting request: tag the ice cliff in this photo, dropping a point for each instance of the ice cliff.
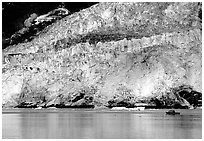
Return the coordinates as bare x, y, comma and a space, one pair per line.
111, 54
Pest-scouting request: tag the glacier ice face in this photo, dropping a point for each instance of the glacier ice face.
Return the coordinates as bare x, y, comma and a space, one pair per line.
103, 63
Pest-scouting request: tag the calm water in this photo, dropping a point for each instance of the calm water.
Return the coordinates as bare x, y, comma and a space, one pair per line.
70, 123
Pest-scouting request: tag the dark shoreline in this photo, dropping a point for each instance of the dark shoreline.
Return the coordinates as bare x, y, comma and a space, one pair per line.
7, 110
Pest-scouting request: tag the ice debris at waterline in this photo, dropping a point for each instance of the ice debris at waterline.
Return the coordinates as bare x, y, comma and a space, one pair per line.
110, 55
128, 109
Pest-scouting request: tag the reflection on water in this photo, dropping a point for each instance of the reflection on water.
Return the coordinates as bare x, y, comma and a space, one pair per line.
69, 123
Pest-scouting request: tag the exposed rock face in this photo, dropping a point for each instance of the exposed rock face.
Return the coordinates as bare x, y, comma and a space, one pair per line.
34, 25
111, 54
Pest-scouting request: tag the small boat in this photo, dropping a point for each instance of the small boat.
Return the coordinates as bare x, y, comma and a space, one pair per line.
172, 112
199, 107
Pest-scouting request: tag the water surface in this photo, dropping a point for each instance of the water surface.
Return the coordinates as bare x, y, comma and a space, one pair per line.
99, 124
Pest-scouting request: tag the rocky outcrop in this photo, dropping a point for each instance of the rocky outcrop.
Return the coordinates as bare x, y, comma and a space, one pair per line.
34, 25
111, 54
